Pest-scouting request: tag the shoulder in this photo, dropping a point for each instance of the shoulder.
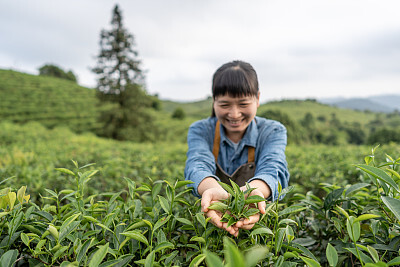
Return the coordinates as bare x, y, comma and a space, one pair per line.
264, 124
204, 125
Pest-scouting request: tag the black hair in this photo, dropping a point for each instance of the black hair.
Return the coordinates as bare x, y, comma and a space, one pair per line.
236, 78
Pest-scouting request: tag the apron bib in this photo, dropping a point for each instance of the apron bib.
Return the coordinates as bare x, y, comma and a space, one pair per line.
242, 174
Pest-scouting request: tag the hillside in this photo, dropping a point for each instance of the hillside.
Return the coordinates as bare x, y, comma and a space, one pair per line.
50, 101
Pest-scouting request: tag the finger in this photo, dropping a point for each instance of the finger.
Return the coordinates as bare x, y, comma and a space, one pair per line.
205, 202
215, 218
247, 226
261, 206
251, 220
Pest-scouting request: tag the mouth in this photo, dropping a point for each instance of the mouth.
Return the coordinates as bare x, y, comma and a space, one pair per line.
234, 122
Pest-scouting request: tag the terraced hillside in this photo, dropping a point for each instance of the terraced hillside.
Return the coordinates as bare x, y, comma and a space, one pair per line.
50, 101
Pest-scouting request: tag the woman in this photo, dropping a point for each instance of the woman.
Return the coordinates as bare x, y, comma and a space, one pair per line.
236, 144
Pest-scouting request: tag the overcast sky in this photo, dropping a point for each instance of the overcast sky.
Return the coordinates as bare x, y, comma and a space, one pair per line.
300, 49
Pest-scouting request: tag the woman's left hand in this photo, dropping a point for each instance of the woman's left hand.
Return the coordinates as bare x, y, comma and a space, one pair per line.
248, 223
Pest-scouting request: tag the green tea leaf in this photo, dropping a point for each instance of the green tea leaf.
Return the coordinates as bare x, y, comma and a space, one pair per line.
64, 170
331, 255
197, 260
393, 204
218, 206
373, 253
355, 187
310, 262
213, 260
364, 258
291, 209
366, 217
200, 218
233, 256
164, 245
254, 199
395, 261
8, 258
164, 204
183, 183
379, 174
184, 221
332, 197
99, 256
149, 262
161, 222
136, 235
262, 231
198, 239
227, 188
279, 239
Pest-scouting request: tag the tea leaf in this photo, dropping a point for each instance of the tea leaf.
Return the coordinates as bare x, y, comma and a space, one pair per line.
8, 258
254, 199
183, 183
331, 255
231, 221
64, 170
164, 204
332, 197
395, 261
150, 259
218, 206
21, 194
98, 256
121, 261
161, 222
25, 239
279, 239
373, 253
233, 256
213, 260
198, 239
184, 221
197, 260
364, 258
355, 187
393, 204
366, 217
200, 218
262, 231
227, 188
163, 245
137, 236
379, 174
290, 210
310, 262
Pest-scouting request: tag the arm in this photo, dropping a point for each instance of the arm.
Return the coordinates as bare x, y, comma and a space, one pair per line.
271, 165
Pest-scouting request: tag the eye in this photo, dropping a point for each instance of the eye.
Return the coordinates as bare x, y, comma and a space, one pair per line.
243, 105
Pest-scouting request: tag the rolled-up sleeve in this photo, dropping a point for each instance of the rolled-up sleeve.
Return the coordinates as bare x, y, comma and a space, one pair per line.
271, 165
200, 162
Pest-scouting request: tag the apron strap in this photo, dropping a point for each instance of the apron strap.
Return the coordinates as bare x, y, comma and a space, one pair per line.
217, 141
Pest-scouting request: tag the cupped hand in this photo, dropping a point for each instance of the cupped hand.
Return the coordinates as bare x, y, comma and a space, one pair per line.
210, 196
248, 223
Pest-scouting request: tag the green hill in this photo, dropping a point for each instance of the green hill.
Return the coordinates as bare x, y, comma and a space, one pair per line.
57, 102
50, 101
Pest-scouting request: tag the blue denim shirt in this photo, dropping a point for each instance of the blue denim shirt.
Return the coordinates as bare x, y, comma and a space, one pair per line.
267, 136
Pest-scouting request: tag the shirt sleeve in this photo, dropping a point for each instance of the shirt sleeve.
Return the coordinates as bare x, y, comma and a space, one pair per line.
271, 165
200, 162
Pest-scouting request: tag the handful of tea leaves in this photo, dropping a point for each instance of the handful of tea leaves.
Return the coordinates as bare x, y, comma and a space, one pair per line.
236, 206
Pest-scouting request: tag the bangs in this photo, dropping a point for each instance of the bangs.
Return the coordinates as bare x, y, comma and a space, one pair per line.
235, 83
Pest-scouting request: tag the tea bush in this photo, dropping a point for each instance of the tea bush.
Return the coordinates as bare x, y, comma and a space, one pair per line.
159, 223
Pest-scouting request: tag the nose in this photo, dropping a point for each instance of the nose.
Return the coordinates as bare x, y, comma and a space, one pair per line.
234, 112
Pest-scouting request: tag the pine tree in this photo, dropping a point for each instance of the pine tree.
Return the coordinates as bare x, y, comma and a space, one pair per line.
121, 82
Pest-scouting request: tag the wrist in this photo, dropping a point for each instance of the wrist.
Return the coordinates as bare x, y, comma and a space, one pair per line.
262, 186
207, 183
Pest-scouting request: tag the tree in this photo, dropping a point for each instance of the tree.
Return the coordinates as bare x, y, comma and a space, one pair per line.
178, 113
55, 71
121, 82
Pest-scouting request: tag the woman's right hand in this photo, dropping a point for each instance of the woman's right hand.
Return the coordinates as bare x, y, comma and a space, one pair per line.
210, 196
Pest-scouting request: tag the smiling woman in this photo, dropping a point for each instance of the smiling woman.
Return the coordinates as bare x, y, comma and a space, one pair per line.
234, 144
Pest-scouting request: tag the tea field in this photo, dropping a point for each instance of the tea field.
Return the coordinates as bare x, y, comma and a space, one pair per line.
79, 200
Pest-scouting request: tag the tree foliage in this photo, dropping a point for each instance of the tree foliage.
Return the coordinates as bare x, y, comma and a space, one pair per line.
55, 71
121, 81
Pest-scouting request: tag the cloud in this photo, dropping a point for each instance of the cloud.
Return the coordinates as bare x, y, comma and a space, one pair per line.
307, 48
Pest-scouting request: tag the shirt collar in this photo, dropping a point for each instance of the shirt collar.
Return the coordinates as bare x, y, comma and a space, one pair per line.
249, 138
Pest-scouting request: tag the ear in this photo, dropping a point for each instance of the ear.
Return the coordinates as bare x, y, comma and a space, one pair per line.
258, 99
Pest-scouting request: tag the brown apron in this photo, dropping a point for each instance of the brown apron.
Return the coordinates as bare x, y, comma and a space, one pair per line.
242, 174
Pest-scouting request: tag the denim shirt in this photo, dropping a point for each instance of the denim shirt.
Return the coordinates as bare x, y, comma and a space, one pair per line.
267, 136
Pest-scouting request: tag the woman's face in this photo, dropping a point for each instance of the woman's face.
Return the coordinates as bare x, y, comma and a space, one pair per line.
236, 113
